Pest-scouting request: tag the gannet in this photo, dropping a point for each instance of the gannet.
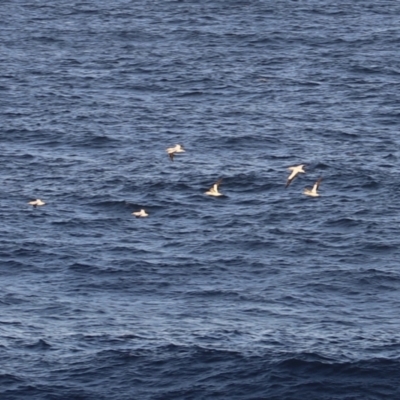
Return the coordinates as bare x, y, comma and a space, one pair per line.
172, 150
141, 213
295, 171
213, 191
36, 203
313, 191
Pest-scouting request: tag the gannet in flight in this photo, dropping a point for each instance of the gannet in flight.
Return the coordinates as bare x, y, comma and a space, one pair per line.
172, 150
313, 191
295, 171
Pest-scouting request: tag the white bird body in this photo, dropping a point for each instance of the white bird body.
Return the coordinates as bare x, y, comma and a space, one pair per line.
298, 169
172, 150
140, 214
36, 203
313, 192
213, 191
177, 149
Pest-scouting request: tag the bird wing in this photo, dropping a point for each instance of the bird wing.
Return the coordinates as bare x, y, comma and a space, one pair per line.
316, 185
216, 184
171, 156
291, 177
289, 181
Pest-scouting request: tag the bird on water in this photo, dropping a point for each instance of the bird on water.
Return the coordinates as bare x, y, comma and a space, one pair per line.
213, 191
313, 192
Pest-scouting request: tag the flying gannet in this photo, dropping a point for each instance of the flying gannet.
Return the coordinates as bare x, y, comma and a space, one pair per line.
295, 171
172, 150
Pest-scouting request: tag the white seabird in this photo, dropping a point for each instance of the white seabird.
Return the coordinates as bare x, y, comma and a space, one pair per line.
313, 192
295, 171
213, 191
142, 213
172, 150
36, 203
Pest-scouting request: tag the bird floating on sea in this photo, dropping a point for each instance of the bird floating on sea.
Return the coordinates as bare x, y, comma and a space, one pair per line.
37, 203
140, 214
295, 171
313, 192
213, 191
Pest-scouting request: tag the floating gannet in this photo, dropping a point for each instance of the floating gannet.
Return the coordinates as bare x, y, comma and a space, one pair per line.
36, 203
213, 191
140, 213
172, 150
295, 171
313, 191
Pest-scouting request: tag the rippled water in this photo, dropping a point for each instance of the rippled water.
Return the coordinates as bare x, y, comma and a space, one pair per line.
261, 294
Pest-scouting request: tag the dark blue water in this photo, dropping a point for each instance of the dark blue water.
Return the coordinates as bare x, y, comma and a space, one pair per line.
261, 294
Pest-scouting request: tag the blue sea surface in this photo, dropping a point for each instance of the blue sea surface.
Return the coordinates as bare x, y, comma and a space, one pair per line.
263, 293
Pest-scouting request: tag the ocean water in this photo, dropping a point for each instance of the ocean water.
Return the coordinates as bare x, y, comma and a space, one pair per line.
263, 293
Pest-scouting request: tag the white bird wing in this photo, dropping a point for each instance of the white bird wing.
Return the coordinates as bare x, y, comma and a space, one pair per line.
216, 184
291, 176
171, 150
316, 185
